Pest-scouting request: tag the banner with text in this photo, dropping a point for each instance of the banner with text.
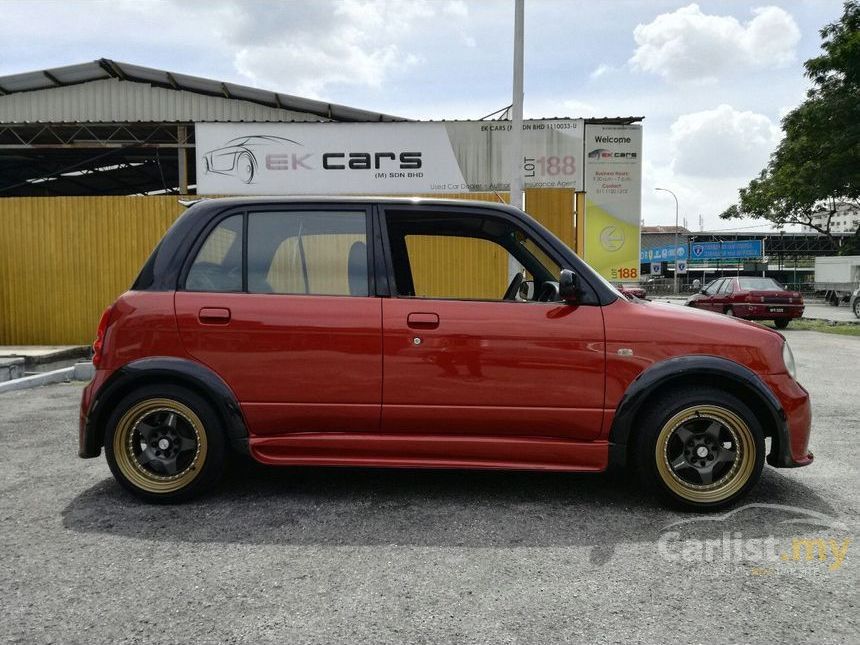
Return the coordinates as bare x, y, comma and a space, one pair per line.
383, 158
613, 185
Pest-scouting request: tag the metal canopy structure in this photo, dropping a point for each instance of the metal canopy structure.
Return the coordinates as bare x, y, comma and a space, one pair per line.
111, 128
781, 243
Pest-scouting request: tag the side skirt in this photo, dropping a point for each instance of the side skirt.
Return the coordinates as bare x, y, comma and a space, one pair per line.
430, 451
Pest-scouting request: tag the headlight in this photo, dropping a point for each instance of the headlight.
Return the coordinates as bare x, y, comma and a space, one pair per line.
788, 359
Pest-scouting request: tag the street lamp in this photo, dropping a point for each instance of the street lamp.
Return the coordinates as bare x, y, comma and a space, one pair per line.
675, 272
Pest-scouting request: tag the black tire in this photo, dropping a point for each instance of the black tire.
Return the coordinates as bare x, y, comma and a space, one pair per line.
730, 312
194, 421
857, 307
699, 405
781, 323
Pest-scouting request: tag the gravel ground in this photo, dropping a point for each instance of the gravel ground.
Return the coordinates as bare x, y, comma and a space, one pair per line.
353, 555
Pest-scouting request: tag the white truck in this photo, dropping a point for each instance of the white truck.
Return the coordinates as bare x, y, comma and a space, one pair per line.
838, 277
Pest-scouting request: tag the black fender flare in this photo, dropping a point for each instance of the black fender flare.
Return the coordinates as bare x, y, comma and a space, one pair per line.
718, 371
179, 371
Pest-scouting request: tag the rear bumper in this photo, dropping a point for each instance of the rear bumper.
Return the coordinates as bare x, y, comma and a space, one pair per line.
791, 448
766, 311
89, 445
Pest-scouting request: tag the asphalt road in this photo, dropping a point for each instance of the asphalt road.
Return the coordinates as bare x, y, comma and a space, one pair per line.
351, 556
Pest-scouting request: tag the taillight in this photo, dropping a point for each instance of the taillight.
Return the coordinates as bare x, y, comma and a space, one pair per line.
104, 321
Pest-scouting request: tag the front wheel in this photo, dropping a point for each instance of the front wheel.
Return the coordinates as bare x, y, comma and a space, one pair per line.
730, 312
164, 443
700, 448
857, 307
781, 323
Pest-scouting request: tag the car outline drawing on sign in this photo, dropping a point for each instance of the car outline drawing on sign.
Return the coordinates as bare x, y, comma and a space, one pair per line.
236, 157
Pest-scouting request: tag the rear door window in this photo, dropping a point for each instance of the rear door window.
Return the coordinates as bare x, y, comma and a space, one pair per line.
728, 286
308, 252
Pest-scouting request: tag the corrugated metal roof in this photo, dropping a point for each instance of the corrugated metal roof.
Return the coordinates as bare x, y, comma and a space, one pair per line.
109, 87
112, 101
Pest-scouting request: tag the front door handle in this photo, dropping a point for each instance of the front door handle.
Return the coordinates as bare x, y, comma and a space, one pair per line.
214, 315
422, 320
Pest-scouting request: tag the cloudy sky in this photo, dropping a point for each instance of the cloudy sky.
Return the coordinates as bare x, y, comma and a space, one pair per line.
712, 78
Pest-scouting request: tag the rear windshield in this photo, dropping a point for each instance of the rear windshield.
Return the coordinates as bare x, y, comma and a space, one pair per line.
760, 284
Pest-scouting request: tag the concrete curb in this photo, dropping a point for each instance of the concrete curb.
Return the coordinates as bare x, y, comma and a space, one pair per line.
832, 322
46, 378
78, 372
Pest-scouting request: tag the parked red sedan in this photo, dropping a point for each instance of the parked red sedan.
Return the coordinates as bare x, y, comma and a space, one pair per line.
632, 291
751, 298
327, 332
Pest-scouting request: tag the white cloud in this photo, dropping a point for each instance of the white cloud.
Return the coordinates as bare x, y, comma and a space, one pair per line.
689, 45
601, 70
723, 142
306, 47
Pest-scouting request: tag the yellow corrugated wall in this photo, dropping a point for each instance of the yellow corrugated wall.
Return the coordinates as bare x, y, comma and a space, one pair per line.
64, 259
555, 208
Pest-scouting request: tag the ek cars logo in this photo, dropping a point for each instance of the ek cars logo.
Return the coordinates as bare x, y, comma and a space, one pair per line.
241, 157
604, 154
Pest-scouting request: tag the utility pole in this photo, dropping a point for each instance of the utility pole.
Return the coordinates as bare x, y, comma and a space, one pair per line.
517, 123
517, 109
675, 272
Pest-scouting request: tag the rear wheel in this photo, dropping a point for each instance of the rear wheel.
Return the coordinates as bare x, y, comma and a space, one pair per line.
781, 323
701, 448
730, 312
857, 307
164, 443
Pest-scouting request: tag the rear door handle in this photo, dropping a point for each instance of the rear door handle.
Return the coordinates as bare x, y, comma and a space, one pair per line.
422, 320
214, 316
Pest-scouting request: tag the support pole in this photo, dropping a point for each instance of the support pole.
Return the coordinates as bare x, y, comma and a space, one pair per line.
182, 152
517, 109
517, 123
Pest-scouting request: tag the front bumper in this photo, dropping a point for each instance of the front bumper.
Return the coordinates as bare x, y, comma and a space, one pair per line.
790, 447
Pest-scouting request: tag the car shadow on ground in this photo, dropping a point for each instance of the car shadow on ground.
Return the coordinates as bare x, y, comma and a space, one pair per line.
363, 507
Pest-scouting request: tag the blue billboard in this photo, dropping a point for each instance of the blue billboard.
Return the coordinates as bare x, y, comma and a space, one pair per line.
663, 253
734, 250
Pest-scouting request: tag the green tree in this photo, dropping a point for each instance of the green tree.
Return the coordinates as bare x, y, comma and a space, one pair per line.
817, 163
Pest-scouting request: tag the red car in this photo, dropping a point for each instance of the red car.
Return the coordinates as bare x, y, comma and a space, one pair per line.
751, 298
327, 332
632, 291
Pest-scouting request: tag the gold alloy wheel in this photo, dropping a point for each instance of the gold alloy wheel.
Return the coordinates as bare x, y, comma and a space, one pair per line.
160, 445
705, 453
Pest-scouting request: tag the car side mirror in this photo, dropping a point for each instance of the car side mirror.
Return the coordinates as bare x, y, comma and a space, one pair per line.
568, 286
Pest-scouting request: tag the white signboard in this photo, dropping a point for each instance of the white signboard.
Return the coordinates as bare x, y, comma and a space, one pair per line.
681, 266
613, 190
656, 268
383, 158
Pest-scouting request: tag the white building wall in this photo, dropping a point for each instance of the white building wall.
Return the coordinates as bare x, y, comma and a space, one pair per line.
845, 220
